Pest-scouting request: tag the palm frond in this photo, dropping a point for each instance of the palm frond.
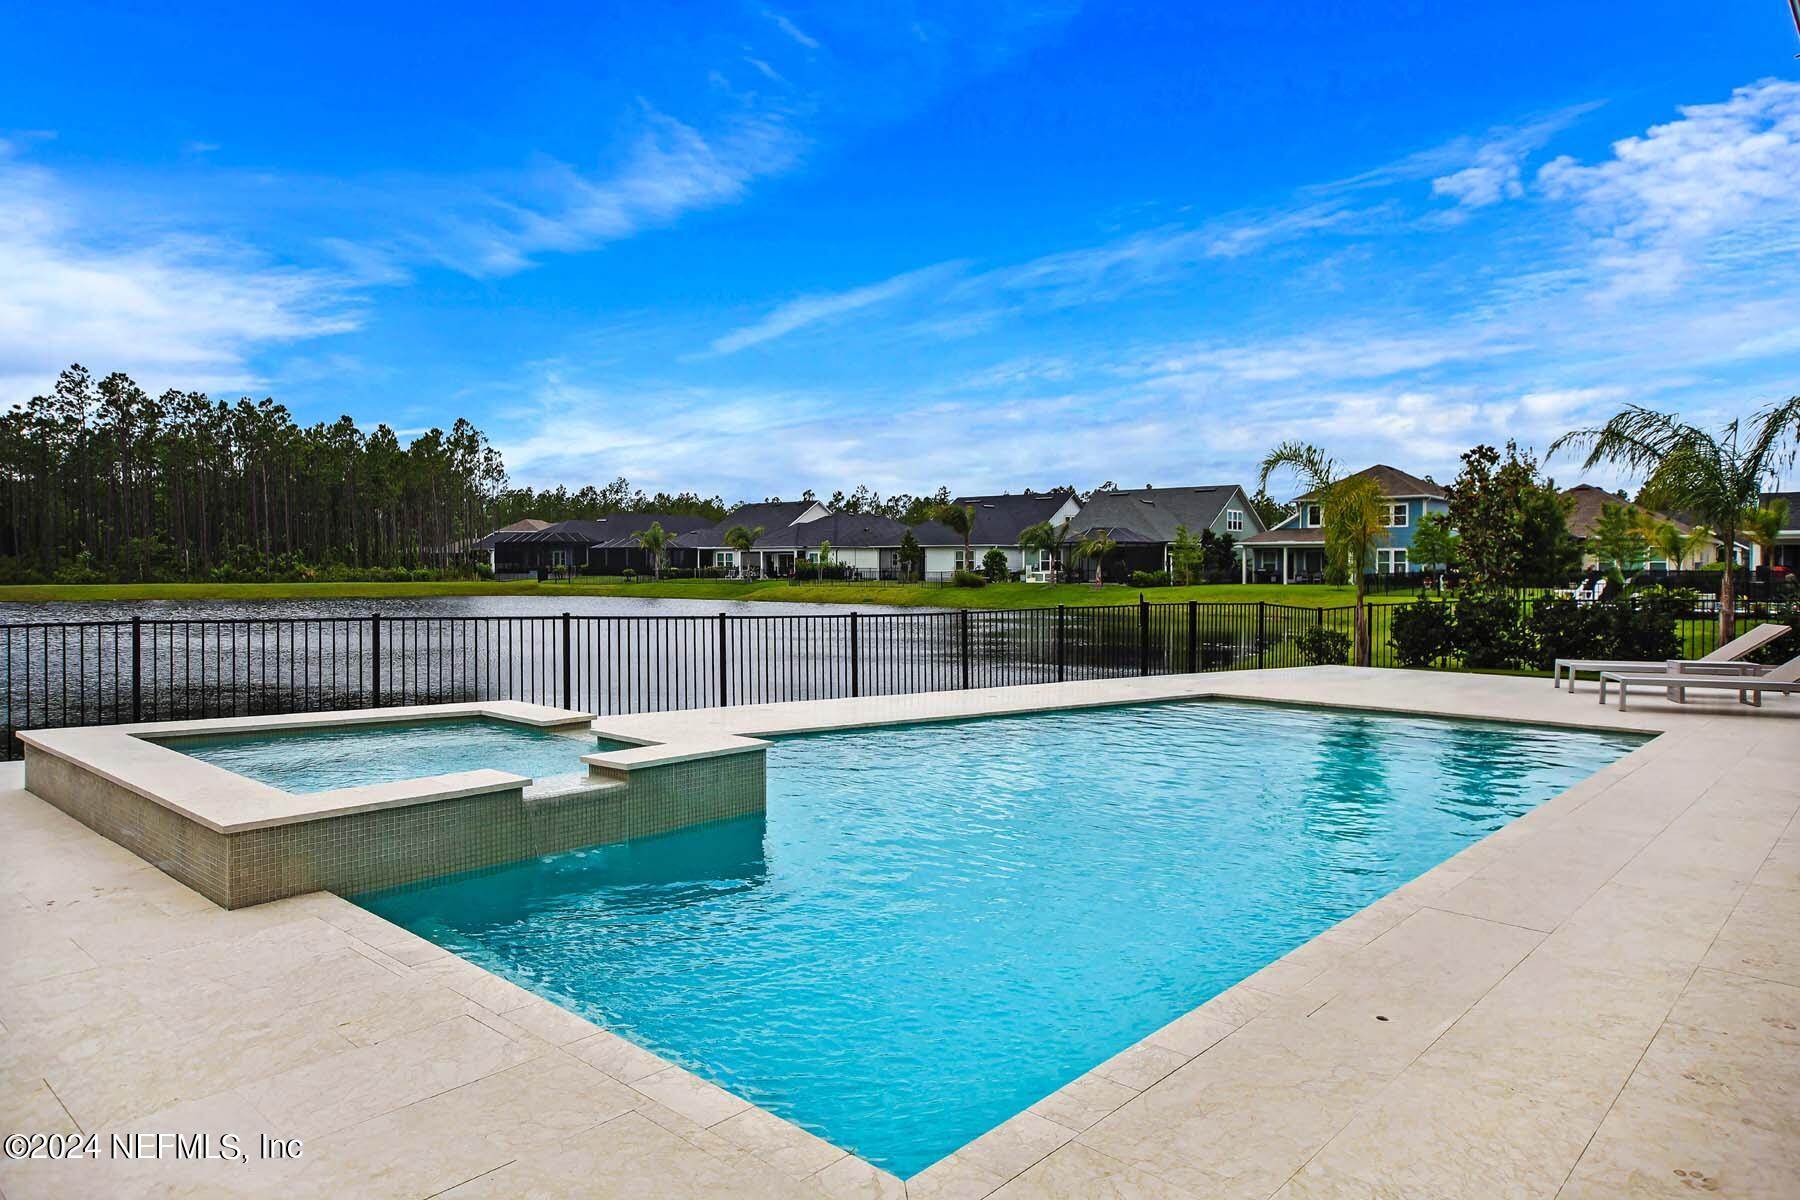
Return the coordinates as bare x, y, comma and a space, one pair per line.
1637, 438
1316, 470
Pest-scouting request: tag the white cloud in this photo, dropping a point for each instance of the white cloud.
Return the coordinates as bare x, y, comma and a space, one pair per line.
1722, 183
1493, 177
792, 30
817, 309
173, 308
671, 169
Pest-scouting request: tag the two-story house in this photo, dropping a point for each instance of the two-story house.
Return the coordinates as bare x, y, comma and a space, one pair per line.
1293, 551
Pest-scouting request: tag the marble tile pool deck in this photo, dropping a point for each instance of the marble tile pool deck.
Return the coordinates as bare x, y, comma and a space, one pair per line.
1599, 1000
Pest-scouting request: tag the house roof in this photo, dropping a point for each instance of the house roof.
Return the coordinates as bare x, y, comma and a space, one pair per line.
998, 519
771, 516
1586, 501
613, 527
1155, 512
1793, 503
843, 530
1395, 483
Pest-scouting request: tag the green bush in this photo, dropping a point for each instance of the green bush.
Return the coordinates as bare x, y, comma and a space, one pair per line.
968, 579
1422, 633
1570, 629
993, 566
1781, 649
1490, 631
1644, 627
1149, 579
1320, 646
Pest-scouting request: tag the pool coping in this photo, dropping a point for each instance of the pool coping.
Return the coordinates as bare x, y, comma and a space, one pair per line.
134, 758
1402, 953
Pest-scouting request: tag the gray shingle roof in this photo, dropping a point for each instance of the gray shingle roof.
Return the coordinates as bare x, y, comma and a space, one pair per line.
998, 519
771, 516
1155, 512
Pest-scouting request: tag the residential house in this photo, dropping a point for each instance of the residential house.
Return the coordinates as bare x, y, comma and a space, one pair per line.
999, 520
604, 545
1586, 502
709, 546
867, 544
1293, 550
1144, 522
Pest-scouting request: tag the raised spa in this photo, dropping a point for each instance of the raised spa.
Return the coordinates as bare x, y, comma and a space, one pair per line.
323, 760
934, 926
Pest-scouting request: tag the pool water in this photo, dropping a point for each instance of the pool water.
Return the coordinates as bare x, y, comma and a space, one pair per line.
935, 926
320, 760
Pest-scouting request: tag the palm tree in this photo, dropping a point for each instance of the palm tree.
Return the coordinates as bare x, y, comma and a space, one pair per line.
654, 541
741, 539
1351, 508
1688, 469
1097, 544
959, 519
1045, 537
1667, 538
1763, 526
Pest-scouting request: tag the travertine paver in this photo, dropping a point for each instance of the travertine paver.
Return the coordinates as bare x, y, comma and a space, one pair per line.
1602, 1000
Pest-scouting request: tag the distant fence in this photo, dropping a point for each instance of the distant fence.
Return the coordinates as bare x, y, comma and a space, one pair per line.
111, 672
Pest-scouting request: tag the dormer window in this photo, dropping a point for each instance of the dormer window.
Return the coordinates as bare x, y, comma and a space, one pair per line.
1313, 519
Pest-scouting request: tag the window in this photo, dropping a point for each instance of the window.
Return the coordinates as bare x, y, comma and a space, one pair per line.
1234, 520
1313, 520
1396, 515
966, 560
724, 558
1390, 562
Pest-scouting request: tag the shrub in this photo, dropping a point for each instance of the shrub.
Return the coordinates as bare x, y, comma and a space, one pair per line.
968, 579
1781, 649
1643, 627
1422, 633
993, 566
1149, 579
630, 575
1569, 629
1320, 646
1490, 632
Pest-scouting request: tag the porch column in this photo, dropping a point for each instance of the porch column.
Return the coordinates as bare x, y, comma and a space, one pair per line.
1243, 565
1284, 564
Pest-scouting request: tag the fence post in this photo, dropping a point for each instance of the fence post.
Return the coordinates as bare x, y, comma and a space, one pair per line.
1143, 635
565, 661
1061, 611
137, 670
855, 673
1193, 663
375, 658
1262, 625
724, 665
963, 629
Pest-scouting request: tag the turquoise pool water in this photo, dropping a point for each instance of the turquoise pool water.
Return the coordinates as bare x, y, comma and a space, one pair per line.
935, 926
321, 760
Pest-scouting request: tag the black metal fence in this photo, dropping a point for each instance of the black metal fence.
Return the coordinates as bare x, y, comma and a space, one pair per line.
110, 672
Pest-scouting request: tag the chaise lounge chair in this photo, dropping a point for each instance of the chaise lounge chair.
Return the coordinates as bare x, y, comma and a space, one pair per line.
1725, 656
1784, 679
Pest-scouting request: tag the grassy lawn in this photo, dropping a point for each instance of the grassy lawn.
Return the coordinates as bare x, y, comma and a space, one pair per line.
1002, 595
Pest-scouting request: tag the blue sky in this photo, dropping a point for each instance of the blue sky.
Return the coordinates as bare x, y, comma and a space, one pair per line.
752, 249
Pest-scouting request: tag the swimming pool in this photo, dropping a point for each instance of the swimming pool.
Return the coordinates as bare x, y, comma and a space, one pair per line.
322, 760
934, 926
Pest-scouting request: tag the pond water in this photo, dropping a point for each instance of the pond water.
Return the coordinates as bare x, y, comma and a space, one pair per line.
411, 606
